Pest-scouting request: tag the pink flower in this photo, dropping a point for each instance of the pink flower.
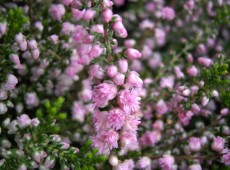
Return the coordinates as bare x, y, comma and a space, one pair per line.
166, 162
123, 65
95, 51
67, 28
116, 118
150, 138
119, 79
112, 71
105, 141
161, 107
207, 62
128, 101
218, 144
104, 92
226, 159
192, 71
100, 120
11, 82
133, 79
126, 165
168, 13
167, 82
131, 123
23, 121
128, 140
57, 11
89, 14
32, 44
119, 29
78, 111
3, 27
144, 163
195, 144
195, 167
224, 111
31, 99
132, 54
98, 28
107, 15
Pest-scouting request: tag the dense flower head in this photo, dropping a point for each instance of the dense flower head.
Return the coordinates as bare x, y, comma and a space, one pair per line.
116, 118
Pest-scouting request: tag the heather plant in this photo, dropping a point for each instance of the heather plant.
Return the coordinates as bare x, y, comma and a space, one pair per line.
122, 85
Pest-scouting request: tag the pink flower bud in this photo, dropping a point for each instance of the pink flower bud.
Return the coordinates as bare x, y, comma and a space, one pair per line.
15, 59
195, 167
19, 38
23, 45
133, 79
189, 5
89, 14
195, 108
57, 11
96, 51
3, 27
144, 163
35, 53
3, 108
166, 162
98, 29
119, 29
218, 144
23, 121
32, 44
132, 54
54, 38
35, 122
65, 145
107, 15
49, 162
224, 111
161, 107
202, 49
67, 28
168, 13
204, 101
205, 61
119, 79
11, 82
195, 144
3, 94
179, 74
192, 71
119, 2
123, 65
186, 92
129, 43
77, 14
112, 71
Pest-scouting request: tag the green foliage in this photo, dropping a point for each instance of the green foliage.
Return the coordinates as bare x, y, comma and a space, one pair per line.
223, 15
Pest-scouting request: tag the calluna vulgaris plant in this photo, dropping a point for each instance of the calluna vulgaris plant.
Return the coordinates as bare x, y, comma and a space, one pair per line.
122, 85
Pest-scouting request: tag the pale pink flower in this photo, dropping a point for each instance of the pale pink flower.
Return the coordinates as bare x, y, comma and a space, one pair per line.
168, 13
131, 123
23, 121
195, 144
104, 92
226, 159
119, 29
116, 118
128, 140
150, 138
126, 165
218, 144
128, 101
207, 62
161, 107
57, 11
100, 120
133, 79
144, 163
132, 54
107, 15
105, 141
166, 162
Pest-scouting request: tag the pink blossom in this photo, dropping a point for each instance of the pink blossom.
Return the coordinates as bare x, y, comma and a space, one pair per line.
107, 15
98, 28
168, 13
195, 144
226, 159
89, 14
131, 123
133, 79
111, 71
132, 54
128, 140
3, 28
144, 163
31, 99
126, 165
167, 82
67, 28
119, 79
224, 111
105, 141
218, 144
32, 44
123, 65
23, 121
95, 51
119, 29
150, 138
161, 107
116, 118
192, 71
166, 162
195, 167
128, 101
66, 2
78, 111
11, 82
100, 120
207, 62
57, 11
